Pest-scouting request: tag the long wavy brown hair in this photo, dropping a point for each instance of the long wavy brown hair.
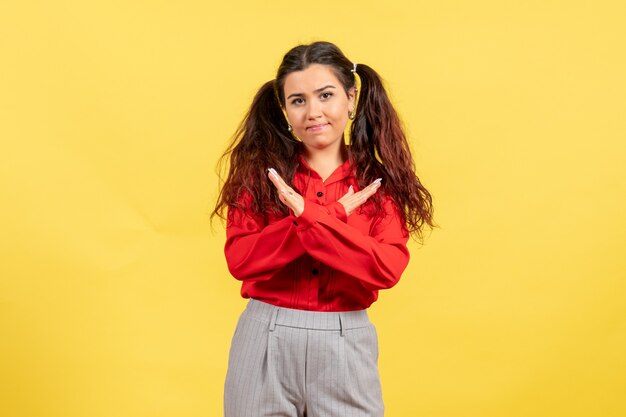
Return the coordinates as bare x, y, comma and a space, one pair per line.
378, 145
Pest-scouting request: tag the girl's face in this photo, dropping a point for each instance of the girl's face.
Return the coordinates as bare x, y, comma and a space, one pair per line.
317, 106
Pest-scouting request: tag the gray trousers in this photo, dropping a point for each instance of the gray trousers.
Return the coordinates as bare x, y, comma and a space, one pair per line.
296, 363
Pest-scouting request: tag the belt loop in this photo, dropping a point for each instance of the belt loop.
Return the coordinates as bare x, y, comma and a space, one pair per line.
273, 319
340, 324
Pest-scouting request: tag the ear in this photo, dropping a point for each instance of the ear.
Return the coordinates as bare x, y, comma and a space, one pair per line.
351, 98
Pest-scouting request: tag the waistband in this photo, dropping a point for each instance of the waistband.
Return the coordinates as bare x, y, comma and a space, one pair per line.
305, 319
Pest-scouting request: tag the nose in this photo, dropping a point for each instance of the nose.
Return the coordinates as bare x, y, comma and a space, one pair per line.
314, 109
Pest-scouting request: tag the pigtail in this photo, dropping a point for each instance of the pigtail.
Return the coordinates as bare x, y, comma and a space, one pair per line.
261, 141
380, 149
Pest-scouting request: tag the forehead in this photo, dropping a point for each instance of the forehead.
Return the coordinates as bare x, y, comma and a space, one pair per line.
313, 77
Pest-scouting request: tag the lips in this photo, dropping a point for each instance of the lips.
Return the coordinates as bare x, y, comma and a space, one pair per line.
317, 128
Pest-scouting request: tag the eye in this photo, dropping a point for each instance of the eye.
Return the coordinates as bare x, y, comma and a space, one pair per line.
295, 100
327, 95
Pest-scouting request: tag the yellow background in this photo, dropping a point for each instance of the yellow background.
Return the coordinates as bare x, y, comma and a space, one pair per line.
115, 299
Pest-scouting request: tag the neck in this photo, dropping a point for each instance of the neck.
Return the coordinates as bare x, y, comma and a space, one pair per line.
326, 157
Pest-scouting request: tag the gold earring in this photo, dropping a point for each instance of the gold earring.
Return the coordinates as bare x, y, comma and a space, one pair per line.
289, 128
351, 115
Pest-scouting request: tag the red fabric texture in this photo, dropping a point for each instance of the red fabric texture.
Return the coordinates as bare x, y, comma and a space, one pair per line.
321, 260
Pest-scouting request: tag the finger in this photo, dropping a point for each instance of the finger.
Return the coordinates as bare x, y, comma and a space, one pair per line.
287, 192
284, 196
372, 188
280, 183
273, 172
277, 177
361, 197
375, 184
273, 177
349, 192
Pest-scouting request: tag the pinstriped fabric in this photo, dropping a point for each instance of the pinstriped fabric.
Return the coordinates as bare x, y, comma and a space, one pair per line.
297, 363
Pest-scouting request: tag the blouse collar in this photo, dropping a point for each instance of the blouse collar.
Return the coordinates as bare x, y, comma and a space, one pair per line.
341, 172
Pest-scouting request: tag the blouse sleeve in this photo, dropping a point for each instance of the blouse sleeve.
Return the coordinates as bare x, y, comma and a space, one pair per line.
377, 259
255, 251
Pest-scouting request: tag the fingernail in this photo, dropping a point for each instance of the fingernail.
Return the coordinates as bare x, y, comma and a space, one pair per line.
378, 180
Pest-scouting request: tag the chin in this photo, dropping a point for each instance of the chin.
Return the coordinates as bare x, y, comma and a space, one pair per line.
320, 144
326, 138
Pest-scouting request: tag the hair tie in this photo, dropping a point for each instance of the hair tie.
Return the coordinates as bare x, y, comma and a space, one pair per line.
353, 67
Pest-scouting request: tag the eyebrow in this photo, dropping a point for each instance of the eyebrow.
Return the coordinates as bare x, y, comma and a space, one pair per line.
315, 91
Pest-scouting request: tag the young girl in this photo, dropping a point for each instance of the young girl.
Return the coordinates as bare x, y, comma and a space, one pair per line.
315, 227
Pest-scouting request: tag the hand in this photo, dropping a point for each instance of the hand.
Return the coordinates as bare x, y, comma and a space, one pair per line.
286, 194
352, 200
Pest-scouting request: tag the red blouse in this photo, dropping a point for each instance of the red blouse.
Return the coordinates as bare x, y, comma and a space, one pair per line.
321, 260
